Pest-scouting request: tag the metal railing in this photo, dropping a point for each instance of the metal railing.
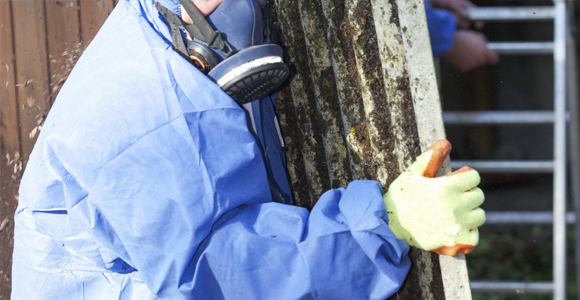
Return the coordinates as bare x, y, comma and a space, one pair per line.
524, 217
506, 167
510, 14
508, 287
522, 48
558, 117
498, 117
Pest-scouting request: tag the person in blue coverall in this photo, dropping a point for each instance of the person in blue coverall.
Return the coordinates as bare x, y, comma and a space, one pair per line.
451, 39
147, 182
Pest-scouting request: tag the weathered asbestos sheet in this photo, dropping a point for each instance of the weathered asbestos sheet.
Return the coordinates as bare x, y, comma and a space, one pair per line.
362, 103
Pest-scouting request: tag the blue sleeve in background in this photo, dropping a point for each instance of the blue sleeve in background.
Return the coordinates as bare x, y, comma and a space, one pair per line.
442, 26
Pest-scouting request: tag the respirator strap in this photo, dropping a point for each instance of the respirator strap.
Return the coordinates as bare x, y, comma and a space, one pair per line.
203, 31
270, 34
174, 22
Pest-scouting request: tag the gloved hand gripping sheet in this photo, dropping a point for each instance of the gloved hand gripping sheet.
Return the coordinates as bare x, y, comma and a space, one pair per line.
437, 214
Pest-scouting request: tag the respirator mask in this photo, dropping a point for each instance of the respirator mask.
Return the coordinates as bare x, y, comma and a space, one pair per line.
228, 46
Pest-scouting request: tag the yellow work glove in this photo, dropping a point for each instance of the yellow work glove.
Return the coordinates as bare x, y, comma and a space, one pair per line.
436, 214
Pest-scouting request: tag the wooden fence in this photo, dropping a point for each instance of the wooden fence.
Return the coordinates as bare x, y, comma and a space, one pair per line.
39, 42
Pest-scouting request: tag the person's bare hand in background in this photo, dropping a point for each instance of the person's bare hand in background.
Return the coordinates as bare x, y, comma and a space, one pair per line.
469, 51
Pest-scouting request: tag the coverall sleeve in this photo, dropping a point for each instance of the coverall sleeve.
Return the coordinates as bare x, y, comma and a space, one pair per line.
343, 249
442, 25
187, 211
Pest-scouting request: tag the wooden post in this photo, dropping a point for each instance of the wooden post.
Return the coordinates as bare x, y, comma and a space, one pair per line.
92, 15
362, 103
32, 74
10, 150
63, 32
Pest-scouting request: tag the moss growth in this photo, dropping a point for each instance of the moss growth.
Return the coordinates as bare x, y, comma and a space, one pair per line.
302, 127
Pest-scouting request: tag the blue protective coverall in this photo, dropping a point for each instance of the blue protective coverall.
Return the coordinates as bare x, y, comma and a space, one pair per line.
146, 183
442, 25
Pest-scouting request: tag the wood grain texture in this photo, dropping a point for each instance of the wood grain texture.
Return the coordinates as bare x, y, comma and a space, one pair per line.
93, 14
10, 164
32, 76
63, 31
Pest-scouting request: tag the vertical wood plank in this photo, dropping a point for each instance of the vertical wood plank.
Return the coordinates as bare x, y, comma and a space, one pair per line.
93, 14
10, 164
63, 30
32, 79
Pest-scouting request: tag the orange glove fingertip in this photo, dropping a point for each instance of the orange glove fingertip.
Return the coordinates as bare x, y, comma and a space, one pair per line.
441, 150
454, 250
